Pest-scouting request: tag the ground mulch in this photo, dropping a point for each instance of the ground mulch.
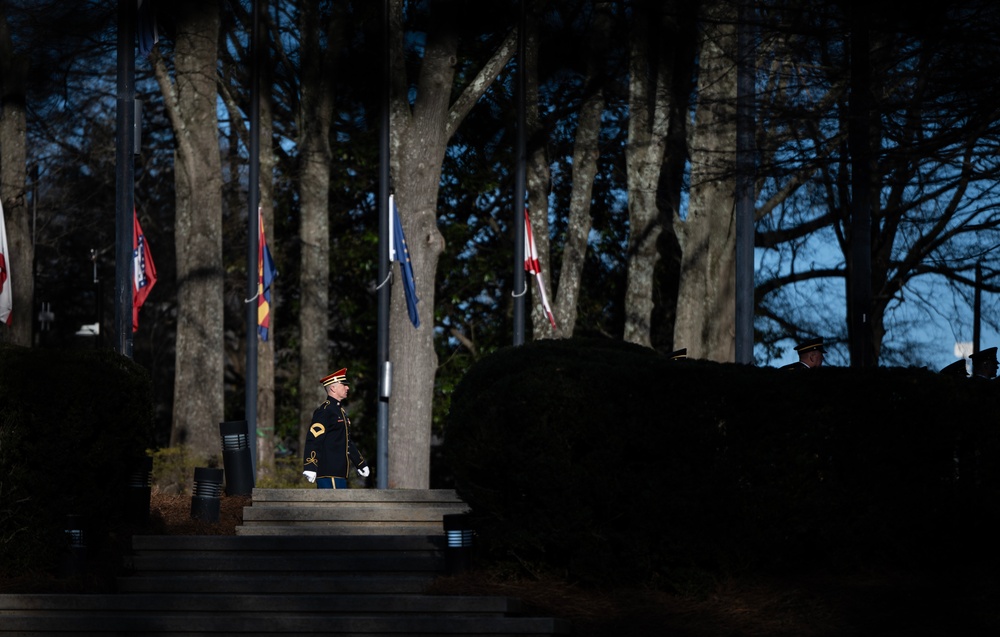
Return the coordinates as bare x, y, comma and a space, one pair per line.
859, 602
171, 515
809, 605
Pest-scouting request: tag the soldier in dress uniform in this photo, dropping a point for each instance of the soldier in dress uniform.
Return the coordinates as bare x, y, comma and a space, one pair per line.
810, 355
329, 449
984, 363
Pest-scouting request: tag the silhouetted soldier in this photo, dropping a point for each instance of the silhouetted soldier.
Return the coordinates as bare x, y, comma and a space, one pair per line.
984, 363
967, 456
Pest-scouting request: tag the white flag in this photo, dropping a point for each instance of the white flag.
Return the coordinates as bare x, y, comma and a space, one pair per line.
6, 297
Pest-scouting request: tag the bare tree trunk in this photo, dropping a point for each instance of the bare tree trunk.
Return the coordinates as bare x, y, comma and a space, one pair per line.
418, 141
315, 118
13, 173
706, 308
649, 121
191, 104
586, 152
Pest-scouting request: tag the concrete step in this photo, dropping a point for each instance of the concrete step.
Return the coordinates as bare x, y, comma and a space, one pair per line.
289, 556
324, 496
349, 511
338, 529
289, 565
286, 544
118, 624
207, 583
191, 603
305, 562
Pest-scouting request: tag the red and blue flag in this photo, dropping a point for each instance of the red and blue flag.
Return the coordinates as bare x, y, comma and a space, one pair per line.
265, 276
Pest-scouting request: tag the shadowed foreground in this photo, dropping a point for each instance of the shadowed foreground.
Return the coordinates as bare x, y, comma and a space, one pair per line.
876, 602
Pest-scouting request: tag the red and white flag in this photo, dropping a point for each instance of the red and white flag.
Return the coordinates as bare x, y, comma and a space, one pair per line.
6, 296
143, 271
531, 265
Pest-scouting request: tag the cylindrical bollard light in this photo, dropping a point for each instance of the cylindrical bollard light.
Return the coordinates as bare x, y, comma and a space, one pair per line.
236, 457
459, 532
139, 485
75, 560
205, 494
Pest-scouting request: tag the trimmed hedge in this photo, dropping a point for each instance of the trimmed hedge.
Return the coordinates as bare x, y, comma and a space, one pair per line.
617, 465
73, 425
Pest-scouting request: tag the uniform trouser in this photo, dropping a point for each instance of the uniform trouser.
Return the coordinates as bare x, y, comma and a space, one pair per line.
331, 483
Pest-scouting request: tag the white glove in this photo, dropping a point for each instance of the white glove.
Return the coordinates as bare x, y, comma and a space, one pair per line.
363, 472
310, 475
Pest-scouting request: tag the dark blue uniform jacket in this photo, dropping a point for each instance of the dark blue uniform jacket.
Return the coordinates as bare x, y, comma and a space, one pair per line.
329, 450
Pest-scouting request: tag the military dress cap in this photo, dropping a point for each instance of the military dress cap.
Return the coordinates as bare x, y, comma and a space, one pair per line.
985, 355
813, 344
339, 376
958, 368
679, 354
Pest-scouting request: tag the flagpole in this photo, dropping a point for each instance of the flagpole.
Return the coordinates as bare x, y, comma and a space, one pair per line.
520, 285
253, 236
384, 366
124, 177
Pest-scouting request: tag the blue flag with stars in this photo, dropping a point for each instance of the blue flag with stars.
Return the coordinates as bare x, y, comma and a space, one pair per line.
399, 253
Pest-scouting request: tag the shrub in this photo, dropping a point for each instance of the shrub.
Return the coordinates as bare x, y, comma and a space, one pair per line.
614, 464
73, 426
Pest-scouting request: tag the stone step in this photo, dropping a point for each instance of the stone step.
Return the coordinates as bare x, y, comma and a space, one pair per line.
285, 544
208, 583
324, 496
291, 556
250, 625
192, 602
305, 562
349, 511
428, 516
336, 529
289, 565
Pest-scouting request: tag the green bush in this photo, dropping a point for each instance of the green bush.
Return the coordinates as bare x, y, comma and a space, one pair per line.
173, 472
74, 426
615, 464
287, 475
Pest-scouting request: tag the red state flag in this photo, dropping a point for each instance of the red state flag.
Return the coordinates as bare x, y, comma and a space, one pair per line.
143, 271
